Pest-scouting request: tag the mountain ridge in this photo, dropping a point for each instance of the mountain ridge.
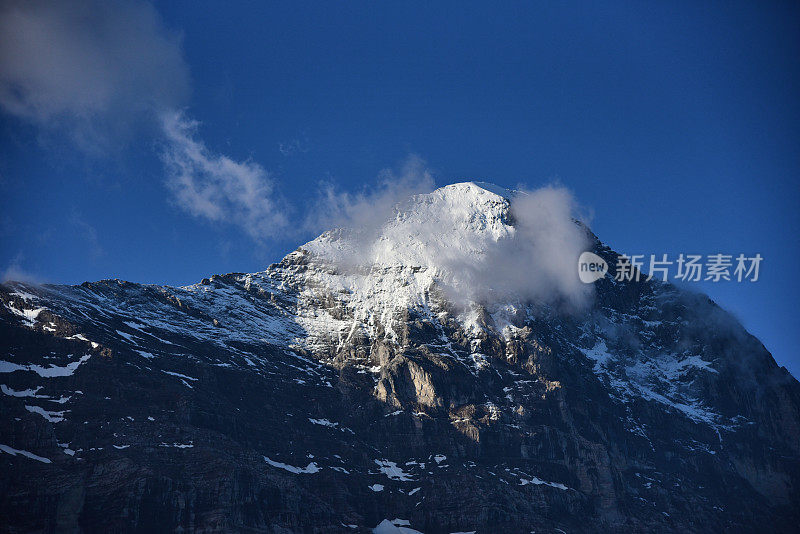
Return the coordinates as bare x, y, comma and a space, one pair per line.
180, 407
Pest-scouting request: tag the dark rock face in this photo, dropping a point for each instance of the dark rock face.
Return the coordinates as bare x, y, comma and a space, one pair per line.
238, 404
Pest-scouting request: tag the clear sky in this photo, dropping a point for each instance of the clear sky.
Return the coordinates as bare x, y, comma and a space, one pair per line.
166, 142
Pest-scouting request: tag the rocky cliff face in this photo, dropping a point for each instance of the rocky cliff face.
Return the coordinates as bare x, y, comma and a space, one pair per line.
328, 395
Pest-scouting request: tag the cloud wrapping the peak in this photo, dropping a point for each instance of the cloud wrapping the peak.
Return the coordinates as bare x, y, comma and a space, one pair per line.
369, 208
217, 188
541, 261
525, 251
480, 247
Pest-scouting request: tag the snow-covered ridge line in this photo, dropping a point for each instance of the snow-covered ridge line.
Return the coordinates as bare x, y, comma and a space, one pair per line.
313, 302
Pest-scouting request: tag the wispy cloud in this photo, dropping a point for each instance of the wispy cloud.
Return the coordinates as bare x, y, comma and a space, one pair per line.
526, 251
88, 233
15, 271
91, 69
215, 187
97, 70
530, 253
370, 207
294, 146
539, 261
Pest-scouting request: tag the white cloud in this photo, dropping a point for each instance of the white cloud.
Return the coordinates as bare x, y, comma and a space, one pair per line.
540, 262
91, 69
217, 188
530, 254
96, 71
15, 272
369, 208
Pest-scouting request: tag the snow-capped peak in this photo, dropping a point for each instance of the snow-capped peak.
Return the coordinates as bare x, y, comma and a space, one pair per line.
456, 222
502, 192
460, 240
422, 231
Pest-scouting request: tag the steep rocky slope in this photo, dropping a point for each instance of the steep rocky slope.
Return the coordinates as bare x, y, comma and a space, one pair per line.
328, 395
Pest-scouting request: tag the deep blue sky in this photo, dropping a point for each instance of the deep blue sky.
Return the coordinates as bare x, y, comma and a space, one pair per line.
675, 123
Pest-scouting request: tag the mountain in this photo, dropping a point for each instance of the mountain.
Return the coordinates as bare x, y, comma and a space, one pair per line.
431, 372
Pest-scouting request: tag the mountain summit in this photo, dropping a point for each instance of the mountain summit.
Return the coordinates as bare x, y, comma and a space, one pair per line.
438, 368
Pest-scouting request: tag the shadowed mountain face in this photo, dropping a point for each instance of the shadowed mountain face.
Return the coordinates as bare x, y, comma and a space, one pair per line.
368, 377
